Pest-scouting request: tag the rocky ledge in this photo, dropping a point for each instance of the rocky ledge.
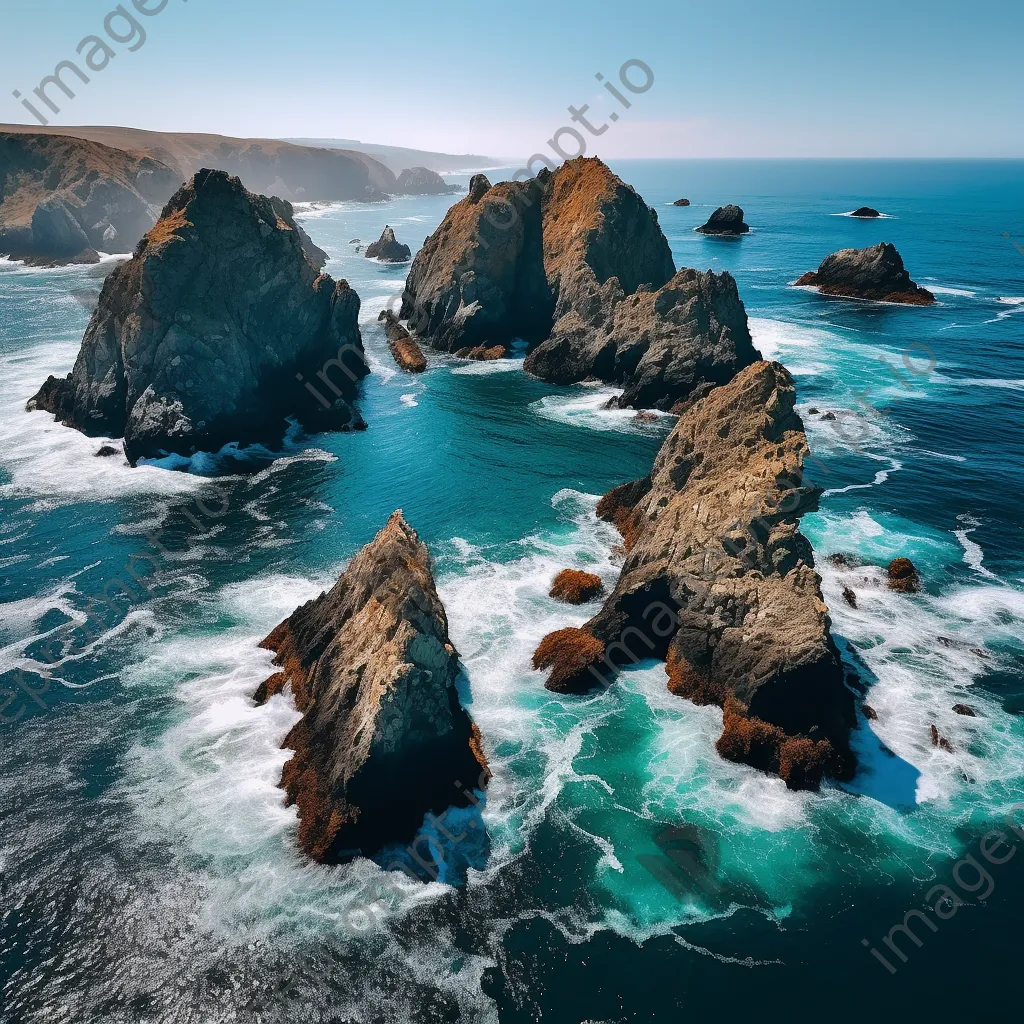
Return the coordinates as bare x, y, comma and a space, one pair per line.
212, 331
719, 582
388, 249
403, 346
874, 273
421, 181
726, 220
575, 263
383, 740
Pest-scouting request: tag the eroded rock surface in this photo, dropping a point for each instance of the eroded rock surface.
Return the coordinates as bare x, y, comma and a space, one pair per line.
383, 739
726, 220
719, 582
874, 273
388, 249
575, 262
207, 334
403, 346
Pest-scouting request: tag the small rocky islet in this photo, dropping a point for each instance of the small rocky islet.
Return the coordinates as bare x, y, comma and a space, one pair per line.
876, 273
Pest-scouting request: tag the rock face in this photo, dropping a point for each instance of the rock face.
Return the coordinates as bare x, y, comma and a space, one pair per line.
421, 181
402, 344
575, 587
903, 576
866, 212
726, 220
388, 249
576, 261
204, 335
659, 345
874, 273
62, 199
383, 739
720, 583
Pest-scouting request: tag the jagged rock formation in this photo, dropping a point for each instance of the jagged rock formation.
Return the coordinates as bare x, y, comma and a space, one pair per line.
874, 273
204, 335
312, 251
574, 259
866, 212
421, 181
403, 346
726, 220
62, 200
903, 576
483, 354
383, 739
388, 249
720, 583
661, 345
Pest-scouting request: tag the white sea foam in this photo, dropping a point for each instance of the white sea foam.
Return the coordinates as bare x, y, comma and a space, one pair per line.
944, 290
484, 367
586, 408
973, 554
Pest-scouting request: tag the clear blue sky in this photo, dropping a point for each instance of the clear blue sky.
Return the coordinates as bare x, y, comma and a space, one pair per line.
732, 77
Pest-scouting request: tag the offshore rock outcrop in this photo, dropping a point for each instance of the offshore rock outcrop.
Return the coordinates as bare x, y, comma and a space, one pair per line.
203, 337
403, 346
875, 273
64, 200
383, 739
421, 181
865, 212
388, 249
719, 582
575, 260
726, 220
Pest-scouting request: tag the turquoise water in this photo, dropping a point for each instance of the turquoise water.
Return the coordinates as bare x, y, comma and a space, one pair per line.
147, 861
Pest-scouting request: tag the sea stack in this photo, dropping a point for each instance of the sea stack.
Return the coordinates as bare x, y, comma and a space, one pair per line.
388, 249
575, 263
383, 740
403, 345
719, 582
209, 332
726, 220
421, 181
875, 273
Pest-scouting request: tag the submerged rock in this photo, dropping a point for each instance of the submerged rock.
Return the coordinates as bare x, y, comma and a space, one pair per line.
966, 710
421, 181
875, 273
106, 451
849, 597
903, 576
719, 582
575, 263
205, 336
575, 587
403, 345
383, 739
865, 211
388, 249
869, 712
726, 220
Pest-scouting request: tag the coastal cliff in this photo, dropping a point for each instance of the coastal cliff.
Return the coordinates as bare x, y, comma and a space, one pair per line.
204, 335
383, 739
575, 262
65, 200
875, 273
719, 582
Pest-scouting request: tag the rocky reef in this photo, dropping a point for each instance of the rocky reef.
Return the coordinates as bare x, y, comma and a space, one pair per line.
383, 740
388, 249
681, 202
726, 220
874, 273
574, 262
64, 200
719, 582
865, 212
421, 181
403, 345
212, 332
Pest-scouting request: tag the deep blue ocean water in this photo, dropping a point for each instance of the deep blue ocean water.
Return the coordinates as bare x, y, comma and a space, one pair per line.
147, 861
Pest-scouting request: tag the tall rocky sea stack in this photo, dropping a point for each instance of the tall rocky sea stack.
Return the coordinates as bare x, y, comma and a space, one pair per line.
383, 740
719, 582
575, 262
207, 334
